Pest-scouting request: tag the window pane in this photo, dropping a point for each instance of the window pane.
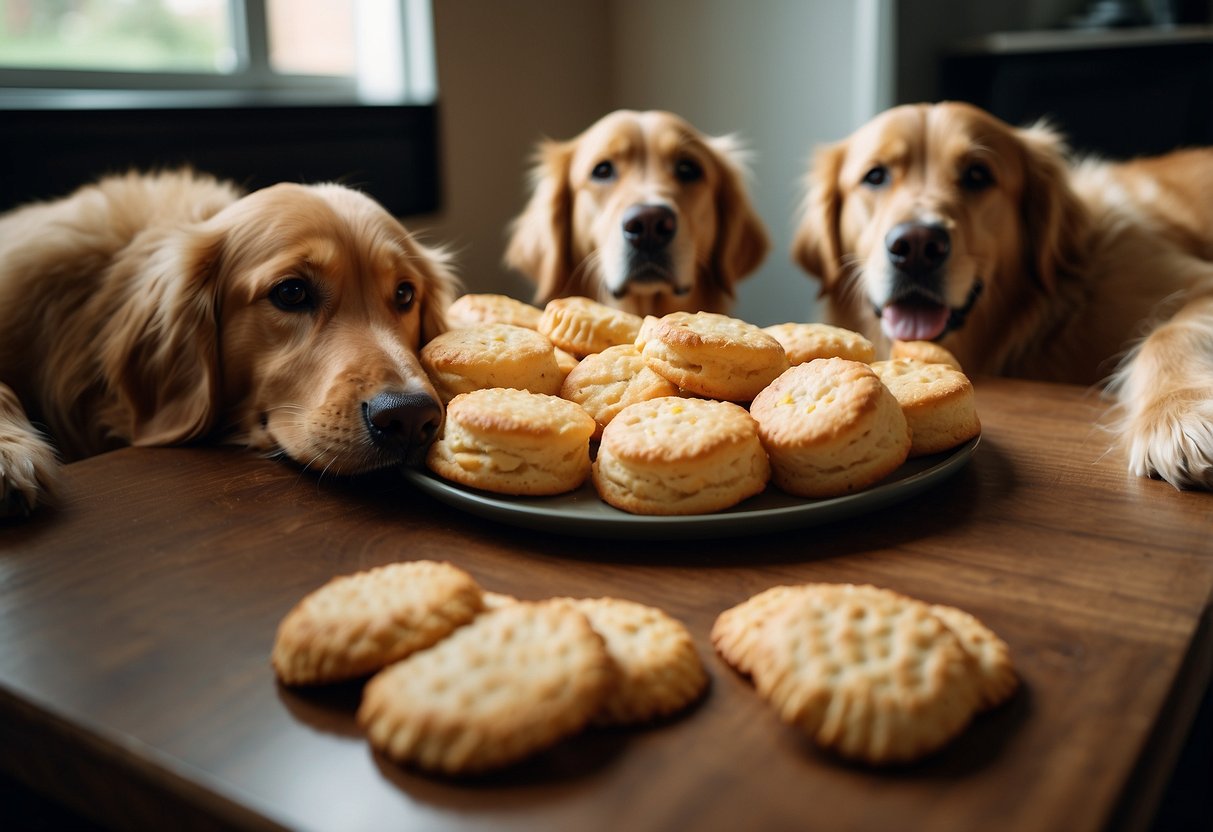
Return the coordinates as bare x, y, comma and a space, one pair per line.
120, 35
311, 37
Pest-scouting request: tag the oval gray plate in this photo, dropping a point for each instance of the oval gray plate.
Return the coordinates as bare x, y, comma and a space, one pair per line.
583, 514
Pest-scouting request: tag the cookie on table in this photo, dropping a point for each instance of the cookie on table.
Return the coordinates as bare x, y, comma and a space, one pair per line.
356, 624
475, 309
513, 442
658, 671
491, 355
926, 351
511, 683
583, 327
866, 673
607, 382
804, 342
997, 679
674, 456
497, 600
737, 633
711, 355
937, 400
831, 428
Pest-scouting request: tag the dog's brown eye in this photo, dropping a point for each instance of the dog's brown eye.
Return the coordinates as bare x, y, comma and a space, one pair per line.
405, 295
688, 170
292, 295
976, 177
876, 177
603, 171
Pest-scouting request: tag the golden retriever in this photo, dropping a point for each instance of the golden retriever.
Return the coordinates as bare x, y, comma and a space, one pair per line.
941, 222
642, 212
168, 308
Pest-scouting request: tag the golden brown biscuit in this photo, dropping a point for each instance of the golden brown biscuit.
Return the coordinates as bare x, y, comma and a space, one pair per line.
356, 624
513, 442
711, 355
477, 309
679, 456
997, 679
491, 355
658, 669
804, 342
831, 428
937, 400
926, 351
867, 673
583, 327
737, 632
607, 382
513, 682
566, 361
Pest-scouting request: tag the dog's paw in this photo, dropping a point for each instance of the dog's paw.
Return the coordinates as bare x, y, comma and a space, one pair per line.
1172, 439
29, 473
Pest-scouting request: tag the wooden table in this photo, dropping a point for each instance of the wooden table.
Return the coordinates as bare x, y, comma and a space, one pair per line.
136, 623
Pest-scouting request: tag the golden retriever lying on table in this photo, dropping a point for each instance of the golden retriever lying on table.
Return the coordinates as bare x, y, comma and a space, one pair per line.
940, 222
161, 309
641, 212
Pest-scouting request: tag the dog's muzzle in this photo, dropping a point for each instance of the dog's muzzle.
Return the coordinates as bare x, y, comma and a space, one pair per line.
402, 422
648, 230
917, 309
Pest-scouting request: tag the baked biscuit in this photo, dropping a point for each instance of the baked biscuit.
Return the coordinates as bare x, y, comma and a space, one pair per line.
997, 679
679, 456
356, 624
926, 351
607, 382
491, 355
866, 673
566, 361
583, 327
831, 428
658, 669
711, 355
804, 342
513, 442
497, 600
509, 684
476, 309
937, 400
737, 632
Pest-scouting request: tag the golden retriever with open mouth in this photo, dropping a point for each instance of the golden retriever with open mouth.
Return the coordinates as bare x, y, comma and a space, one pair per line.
641, 212
941, 222
163, 309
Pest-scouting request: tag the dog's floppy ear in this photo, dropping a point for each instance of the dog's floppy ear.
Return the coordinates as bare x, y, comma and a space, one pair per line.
160, 351
817, 244
1053, 215
541, 241
441, 286
742, 242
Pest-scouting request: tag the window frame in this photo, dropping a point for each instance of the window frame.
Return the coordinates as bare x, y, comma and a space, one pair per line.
62, 128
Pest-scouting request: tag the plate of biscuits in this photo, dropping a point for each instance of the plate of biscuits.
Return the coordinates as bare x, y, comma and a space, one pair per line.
603, 424
582, 513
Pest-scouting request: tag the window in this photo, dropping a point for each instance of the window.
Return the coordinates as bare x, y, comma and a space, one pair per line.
368, 51
255, 90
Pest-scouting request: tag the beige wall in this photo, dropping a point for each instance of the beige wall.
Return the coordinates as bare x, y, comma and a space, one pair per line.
781, 73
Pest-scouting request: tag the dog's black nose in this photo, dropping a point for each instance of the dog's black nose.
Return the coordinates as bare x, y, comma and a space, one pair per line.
649, 226
402, 420
918, 248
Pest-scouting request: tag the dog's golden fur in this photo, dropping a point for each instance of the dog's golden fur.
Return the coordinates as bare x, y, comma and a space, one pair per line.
168, 308
571, 238
1082, 273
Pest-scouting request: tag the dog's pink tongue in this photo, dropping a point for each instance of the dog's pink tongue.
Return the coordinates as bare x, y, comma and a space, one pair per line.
913, 322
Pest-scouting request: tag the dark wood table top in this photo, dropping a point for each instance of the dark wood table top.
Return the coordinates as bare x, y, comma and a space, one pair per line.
136, 622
